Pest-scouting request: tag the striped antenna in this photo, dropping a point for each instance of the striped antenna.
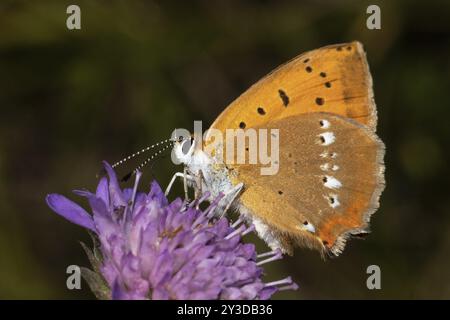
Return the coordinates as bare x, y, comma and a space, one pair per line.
118, 163
145, 162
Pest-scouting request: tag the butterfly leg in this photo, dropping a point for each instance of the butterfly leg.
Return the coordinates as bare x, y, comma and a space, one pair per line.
200, 178
183, 175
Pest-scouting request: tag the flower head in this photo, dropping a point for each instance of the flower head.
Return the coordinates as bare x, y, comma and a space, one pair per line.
153, 249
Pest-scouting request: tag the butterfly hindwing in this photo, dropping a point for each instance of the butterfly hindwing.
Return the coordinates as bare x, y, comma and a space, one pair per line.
331, 184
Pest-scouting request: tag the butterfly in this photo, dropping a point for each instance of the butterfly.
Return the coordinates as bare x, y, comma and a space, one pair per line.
331, 170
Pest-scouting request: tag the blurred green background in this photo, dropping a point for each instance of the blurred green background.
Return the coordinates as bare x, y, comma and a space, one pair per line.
138, 69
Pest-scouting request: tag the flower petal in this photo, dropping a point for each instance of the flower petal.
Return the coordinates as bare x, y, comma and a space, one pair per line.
156, 194
102, 190
70, 210
118, 292
115, 192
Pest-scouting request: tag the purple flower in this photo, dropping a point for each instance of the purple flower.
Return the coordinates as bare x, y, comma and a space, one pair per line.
152, 249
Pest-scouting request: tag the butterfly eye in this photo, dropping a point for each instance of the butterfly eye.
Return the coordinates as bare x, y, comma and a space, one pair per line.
186, 145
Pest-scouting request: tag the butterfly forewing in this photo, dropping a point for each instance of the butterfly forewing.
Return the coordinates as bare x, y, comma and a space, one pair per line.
333, 79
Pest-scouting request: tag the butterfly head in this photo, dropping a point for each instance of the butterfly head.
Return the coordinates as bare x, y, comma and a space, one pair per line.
183, 149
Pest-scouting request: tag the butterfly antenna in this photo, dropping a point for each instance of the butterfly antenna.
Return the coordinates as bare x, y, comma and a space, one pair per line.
118, 163
147, 161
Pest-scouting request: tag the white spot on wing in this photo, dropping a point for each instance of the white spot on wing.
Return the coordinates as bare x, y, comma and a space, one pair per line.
325, 166
327, 138
333, 201
332, 183
324, 124
309, 227
335, 167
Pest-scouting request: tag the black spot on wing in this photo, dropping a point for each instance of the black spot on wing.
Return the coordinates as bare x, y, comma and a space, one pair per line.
284, 97
320, 101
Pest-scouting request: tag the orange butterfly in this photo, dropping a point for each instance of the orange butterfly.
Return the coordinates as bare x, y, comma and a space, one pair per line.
330, 172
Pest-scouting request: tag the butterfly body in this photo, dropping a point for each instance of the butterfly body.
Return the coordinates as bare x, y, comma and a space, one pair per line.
331, 171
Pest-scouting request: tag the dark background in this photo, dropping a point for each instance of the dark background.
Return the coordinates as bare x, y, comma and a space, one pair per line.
138, 69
